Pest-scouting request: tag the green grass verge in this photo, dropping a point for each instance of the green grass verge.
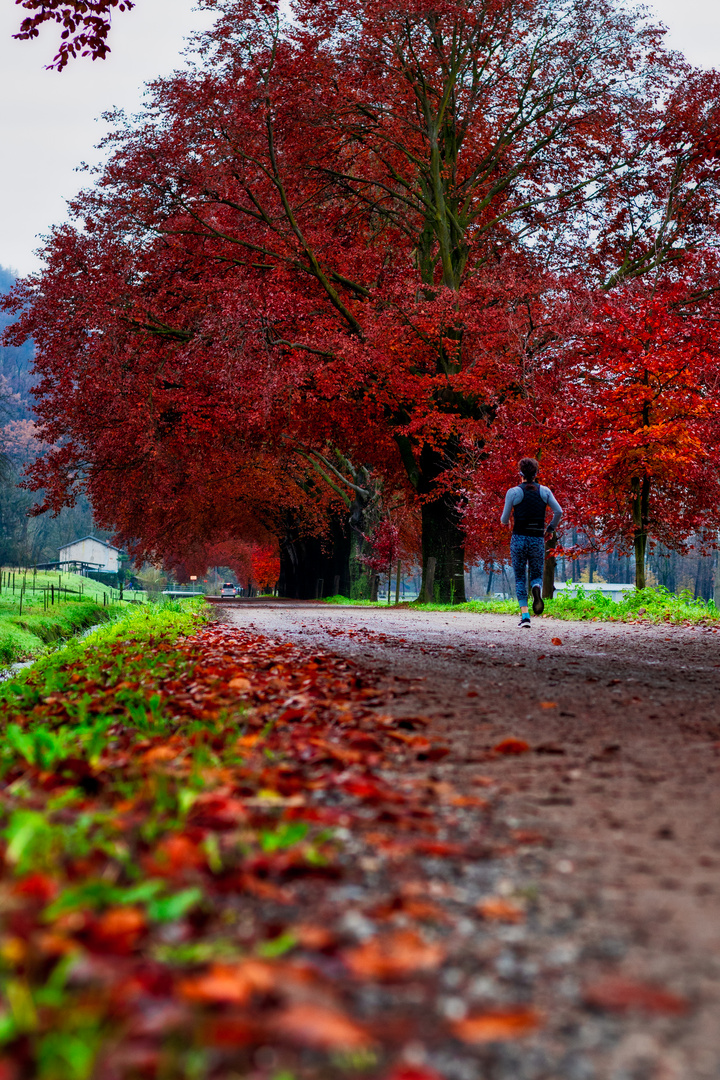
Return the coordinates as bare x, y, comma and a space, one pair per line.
39, 610
341, 601
134, 625
24, 636
649, 605
28, 631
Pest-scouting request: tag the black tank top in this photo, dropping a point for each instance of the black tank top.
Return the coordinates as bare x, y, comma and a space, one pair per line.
529, 515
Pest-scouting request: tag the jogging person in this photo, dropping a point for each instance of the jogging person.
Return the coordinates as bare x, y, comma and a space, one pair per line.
528, 502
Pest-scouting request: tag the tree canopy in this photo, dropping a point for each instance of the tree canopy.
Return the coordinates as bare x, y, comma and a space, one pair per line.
374, 229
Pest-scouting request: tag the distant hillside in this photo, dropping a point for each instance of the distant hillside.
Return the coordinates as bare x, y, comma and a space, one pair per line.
25, 541
15, 363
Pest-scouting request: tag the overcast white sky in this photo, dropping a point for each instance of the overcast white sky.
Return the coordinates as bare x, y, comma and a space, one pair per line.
49, 121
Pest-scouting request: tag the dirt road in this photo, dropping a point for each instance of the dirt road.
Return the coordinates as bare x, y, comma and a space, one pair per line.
621, 783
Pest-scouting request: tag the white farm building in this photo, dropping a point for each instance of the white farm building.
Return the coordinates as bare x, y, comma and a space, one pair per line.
89, 553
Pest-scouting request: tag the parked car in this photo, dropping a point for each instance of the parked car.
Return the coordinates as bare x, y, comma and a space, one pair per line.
228, 589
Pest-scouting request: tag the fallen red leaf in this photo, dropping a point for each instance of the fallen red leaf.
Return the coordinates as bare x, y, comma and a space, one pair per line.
226, 1031
118, 929
557, 641
174, 853
313, 936
393, 956
213, 811
614, 993
240, 684
317, 1026
528, 836
231, 984
363, 789
55, 944
497, 1026
498, 909
159, 754
511, 746
36, 887
436, 752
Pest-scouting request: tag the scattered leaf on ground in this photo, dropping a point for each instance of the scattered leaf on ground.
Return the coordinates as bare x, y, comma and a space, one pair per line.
511, 745
497, 1026
615, 993
393, 956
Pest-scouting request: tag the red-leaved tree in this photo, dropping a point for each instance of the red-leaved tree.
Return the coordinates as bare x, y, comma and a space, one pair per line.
362, 228
642, 420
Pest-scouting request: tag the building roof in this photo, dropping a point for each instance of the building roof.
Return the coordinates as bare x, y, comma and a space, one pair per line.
95, 538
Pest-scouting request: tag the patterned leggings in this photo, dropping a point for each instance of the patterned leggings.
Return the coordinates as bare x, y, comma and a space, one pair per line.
527, 552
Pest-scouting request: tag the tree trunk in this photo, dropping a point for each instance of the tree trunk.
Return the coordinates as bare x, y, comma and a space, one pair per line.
442, 537
640, 508
640, 542
548, 585
443, 540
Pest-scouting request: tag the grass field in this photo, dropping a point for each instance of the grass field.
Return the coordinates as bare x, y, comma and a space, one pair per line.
39, 609
651, 605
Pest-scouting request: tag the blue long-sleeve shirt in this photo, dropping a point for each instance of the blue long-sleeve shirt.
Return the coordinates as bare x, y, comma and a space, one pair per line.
515, 495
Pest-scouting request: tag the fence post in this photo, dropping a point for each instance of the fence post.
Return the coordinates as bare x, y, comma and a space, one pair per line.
52, 593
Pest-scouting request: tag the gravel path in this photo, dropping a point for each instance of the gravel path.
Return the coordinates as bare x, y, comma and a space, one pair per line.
620, 788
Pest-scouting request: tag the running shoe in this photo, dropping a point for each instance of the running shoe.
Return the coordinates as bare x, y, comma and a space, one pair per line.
538, 602
525, 621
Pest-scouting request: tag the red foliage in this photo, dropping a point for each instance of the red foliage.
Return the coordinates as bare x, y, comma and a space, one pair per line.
85, 25
641, 421
320, 238
254, 562
394, 539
